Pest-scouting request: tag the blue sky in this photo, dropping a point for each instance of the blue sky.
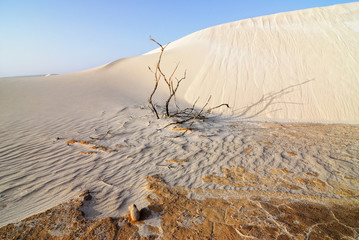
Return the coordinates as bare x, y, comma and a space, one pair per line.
61, 36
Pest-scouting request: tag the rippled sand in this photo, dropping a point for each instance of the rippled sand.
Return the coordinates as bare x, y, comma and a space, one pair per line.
226, 177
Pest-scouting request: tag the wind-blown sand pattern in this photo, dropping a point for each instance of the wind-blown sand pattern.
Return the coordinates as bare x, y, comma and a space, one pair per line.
232, 176
174, 213
276, 169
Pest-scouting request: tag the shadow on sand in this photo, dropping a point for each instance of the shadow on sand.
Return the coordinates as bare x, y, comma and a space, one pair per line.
266, 101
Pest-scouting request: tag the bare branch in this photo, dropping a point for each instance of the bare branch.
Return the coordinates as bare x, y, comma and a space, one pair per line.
149, 68
159, 44
191, 109
150, 99
189, 128
221, 105
194, 104
173, 93
186, 114
160, 58
157, 79
205, 105
174, 70
179, 122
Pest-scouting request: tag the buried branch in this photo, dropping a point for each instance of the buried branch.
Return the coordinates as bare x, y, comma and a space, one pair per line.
189, 114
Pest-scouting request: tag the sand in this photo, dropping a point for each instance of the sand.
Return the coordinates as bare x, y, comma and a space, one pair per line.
63, 134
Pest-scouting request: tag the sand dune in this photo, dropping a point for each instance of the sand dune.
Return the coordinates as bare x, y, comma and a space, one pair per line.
299, 65
92, 130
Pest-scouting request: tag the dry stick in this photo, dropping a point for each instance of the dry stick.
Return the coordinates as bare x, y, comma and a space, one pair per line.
153, 108
174, 70
158, 67
179, 122
150, 100
184, 111
173, 94
169, 81
157, 78
223, 104
186, 130
199, 114
196, 116
209, 110
175, 90
193, 106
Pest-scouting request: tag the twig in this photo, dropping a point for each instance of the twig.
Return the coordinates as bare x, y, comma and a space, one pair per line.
179, 122
186, 130
223, 104
205, 105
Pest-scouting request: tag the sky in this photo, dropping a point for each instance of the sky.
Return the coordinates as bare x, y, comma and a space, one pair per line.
61, 36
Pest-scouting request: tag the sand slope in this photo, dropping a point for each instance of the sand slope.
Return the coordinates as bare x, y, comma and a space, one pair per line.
260, 66
251, 63
300, 66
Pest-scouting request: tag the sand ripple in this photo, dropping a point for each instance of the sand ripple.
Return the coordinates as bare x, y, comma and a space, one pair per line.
39, 169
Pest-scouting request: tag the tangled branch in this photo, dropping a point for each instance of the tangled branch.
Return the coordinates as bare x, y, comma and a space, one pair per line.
186, 114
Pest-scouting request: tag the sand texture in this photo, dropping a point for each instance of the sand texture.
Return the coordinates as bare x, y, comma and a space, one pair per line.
173, 213
278, 169
281, 163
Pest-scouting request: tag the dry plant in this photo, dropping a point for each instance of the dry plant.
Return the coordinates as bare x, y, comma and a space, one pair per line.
173, 83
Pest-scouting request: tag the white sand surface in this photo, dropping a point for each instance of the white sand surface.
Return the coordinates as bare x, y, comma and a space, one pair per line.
296, 66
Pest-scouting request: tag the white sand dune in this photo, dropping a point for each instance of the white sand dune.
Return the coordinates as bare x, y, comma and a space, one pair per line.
299, 66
